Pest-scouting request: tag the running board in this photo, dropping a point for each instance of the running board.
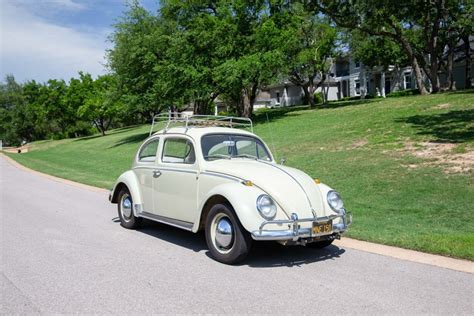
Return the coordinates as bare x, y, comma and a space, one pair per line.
166, 220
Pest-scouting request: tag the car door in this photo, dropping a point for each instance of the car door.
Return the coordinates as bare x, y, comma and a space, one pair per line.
175, 182
145, 164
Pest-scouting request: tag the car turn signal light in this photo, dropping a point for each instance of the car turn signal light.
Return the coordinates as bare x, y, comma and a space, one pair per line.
247, 183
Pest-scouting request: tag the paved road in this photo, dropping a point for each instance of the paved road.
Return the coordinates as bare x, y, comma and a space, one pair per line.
63, 251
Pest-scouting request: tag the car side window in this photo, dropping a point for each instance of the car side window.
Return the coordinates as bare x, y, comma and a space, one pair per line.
178, 150
148, 152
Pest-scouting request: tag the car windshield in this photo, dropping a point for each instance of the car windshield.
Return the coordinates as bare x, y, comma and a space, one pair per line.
228, 146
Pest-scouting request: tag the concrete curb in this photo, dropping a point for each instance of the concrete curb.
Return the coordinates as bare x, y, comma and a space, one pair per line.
389, 251
408, 255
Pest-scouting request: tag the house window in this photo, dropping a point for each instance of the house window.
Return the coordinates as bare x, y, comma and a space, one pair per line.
357, 86
408, 84
357, 64
278, 97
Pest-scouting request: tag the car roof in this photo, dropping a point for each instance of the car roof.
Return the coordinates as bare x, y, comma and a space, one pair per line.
197, 132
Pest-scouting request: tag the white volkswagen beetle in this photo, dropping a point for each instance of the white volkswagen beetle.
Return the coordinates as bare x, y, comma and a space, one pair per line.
202, 173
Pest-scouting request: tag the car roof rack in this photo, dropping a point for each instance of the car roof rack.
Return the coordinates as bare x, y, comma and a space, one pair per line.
172, 119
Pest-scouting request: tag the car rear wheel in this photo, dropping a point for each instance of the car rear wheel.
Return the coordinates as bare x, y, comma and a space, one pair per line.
320, 244
125, 210
227, 240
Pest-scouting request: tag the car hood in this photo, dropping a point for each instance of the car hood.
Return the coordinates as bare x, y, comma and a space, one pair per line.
292, 189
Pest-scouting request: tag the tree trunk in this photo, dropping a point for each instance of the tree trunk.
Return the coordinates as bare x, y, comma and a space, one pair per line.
99, 123
467, 55
201, 107
247, 100
414, 63
433, 48
435, 85
449, 69
419, 76
308, 96
109, 122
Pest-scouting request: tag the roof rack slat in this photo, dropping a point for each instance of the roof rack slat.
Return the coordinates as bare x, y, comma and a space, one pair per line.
200, 121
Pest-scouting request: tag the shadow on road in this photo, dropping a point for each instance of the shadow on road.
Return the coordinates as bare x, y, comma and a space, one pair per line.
179, 237
272, 254
262, 255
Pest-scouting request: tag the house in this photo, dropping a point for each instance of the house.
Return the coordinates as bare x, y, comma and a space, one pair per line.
350, 78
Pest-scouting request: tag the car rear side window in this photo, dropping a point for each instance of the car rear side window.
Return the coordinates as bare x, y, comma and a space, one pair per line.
178, 150
148, 151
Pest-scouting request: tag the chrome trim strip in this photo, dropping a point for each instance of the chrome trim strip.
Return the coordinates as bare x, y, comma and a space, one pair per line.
234, 178
177, 170
221, 175
166, 220
145, 167
299, 184
156, 167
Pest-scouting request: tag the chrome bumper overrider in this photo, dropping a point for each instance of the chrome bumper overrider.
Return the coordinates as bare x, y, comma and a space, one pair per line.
296, 232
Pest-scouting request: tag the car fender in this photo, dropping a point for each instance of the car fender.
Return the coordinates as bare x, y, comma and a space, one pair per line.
243, 200
130, 180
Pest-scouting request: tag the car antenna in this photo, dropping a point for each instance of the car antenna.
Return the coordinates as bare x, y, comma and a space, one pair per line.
271, 135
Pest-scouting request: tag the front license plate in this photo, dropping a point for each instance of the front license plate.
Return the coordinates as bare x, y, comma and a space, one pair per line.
322, 228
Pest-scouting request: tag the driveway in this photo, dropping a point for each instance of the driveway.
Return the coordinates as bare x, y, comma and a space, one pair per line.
63, 251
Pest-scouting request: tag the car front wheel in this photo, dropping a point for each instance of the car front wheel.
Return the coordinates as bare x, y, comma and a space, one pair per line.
227, 240
125, 210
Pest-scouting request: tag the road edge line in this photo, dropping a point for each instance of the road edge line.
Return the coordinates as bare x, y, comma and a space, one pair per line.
384, 250
51, 177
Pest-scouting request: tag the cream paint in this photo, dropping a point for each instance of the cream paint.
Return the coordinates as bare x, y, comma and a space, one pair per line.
181, 190
175, 190
144, 173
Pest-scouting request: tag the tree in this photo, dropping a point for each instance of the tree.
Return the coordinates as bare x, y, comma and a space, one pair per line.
101, 103
309, 45
384, 18
194, 51
140, 41
223, 50
375, 51
12, 111
255, 55
458, 28
422, 29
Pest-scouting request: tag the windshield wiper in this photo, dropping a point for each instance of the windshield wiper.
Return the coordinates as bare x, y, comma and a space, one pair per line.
217, 156
245, 156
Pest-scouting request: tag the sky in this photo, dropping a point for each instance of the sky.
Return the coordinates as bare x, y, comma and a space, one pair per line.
55, 39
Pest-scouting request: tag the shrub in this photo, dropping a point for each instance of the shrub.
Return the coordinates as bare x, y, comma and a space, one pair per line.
318, 98
350, 98
403, 93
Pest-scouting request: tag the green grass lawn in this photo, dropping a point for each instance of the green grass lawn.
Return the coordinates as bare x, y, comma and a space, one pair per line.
402, 190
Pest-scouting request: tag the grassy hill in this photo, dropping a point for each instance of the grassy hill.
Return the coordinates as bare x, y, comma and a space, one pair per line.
404, 166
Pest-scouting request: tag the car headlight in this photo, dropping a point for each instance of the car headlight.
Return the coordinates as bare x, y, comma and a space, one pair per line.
266, 207
335, 201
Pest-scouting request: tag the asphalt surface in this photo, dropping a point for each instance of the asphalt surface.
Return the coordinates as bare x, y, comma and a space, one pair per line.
63, 251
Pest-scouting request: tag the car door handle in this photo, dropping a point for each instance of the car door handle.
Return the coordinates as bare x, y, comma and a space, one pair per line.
156, 173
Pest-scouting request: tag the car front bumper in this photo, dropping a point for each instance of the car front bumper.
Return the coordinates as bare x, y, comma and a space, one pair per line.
295, 232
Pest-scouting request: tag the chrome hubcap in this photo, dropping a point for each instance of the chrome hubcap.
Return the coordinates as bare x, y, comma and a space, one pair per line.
224, 233
126, 206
